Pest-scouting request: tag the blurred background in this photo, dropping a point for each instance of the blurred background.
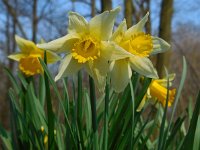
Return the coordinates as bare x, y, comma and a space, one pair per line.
176, 21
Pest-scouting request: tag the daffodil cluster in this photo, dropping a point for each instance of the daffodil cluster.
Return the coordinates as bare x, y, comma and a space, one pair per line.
93, 46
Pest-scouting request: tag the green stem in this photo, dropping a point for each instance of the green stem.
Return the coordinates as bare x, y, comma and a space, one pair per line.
50, 114
79, 109
106, 115
28, 80
94, 115
133, 112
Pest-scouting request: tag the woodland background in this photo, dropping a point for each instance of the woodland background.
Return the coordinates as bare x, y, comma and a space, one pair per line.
176, 21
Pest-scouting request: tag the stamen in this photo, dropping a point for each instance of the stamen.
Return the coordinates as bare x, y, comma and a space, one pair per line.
85, 50
140, 44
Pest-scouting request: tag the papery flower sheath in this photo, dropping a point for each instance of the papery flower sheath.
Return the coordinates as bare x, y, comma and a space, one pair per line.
141, 46
28, 56
157, 91
87, 45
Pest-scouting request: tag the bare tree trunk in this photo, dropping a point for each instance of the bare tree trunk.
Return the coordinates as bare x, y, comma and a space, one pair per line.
148, 24
165, 33
34, 22
106, 5
93, 8
8, 33
128, 12
12, 12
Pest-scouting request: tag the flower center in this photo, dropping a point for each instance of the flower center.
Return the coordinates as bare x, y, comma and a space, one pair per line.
160, 92
140, 44
30, 65
86, 49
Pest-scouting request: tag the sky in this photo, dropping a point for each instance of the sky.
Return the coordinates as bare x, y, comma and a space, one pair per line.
186, 12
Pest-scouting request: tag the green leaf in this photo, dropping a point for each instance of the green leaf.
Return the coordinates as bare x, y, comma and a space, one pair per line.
13, 80
59, 98
189, 139
42, 90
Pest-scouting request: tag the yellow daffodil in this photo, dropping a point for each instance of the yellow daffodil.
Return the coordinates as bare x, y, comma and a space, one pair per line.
141, 46
157, 91
28, 56
86, 45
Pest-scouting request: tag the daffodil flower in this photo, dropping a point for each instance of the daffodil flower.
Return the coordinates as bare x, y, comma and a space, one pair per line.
87, 46
141, 46
157, 91
28, 56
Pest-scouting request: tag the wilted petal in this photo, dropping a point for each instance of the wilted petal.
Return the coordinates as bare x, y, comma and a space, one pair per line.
101, 26
120, 75
111, 51
68, 67
136, 28
159, 45
62, 44
143, 66
77, 23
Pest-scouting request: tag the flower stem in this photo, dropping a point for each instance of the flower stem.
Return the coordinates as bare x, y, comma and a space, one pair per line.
133, 113
50, 114
106, 115
79, 108
94, 115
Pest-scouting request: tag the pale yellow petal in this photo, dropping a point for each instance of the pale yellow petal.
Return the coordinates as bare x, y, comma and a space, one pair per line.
101, 26
98, 70
119, 33
136, 28
62, 44
120, 75
159, 46
164, 81
68, 66
17, 56
52, 57
142, 103
111, 51
24, 45
143, 66
77, 23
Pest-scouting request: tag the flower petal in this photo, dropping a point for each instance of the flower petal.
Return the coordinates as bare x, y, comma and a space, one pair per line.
111, 51
159, 45
143, 66
119, 33
142, 103
164, 81
77, 23
98, 70
68, 67
52, 57
120, 75
25, 46
136, 28
62, 44
17, 56
101, 26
